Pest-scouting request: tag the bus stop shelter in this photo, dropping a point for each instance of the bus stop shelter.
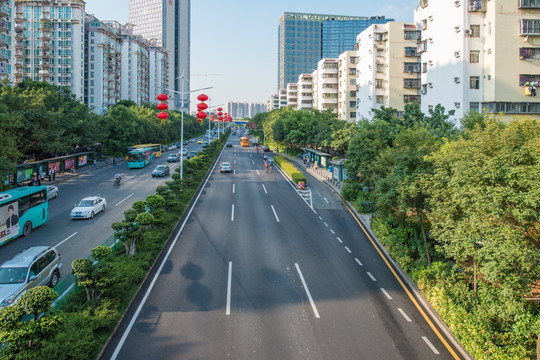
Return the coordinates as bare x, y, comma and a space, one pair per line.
322, 159
24, 172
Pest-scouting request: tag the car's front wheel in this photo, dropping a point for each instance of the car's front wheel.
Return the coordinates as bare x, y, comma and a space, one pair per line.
92, 215
103, 208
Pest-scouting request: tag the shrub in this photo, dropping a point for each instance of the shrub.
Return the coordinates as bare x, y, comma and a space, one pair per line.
291, 170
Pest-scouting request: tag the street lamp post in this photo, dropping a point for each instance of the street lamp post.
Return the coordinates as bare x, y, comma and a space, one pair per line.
182, 93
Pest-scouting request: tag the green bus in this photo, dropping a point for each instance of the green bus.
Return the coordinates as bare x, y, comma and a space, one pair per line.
21, 210
139, 158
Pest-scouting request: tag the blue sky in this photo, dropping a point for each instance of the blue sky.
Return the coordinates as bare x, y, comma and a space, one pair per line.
237, 39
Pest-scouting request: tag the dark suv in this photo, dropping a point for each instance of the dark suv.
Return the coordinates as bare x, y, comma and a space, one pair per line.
35, 266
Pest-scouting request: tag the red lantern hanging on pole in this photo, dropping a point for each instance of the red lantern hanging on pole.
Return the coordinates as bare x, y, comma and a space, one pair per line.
201, 115
162, 106
202, 97
202, 106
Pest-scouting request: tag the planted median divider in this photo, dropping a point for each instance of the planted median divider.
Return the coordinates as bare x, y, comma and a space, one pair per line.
296, 175
103, 286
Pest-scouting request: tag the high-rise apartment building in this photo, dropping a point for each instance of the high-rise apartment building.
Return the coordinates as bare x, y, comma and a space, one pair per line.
169, 23
49, 43
159, 70
292, 95
135, 66
346, 108
325, 85
480, 55
103, 55
272, 103
5, 38
304, 39
388, 68
305, 92
282, 98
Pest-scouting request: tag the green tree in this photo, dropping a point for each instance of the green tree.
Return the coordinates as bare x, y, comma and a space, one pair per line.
22, 338
484, 204
96, 278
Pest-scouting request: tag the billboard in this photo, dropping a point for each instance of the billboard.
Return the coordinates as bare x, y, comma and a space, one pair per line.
9, 221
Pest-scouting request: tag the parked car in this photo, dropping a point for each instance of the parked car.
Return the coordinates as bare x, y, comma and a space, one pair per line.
173, 157
191, 140
52, 192
161, 170
266, 148
184, 152
35, 266
200, 141
88, 207
225, 167
229, 144
191, 154
205, 144
185, 142
172, 147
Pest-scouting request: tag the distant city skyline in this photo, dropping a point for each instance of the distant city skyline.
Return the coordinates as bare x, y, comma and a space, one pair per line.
234, 44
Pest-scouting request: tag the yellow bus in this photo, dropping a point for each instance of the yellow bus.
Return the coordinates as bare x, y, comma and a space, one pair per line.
156, 148
244, 141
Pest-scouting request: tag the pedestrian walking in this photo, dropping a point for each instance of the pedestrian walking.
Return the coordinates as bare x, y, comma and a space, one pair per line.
53, 173
42, 175
94, 162
114, 162
50, 174
34, 180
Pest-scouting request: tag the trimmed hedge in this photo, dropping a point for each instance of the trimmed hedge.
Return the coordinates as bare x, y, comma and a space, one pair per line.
291, 170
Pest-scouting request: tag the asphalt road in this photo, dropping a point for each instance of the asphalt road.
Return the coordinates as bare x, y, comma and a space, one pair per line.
75, 238
261, 271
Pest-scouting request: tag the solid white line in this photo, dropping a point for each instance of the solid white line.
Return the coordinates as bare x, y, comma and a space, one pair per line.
325, 199
264, 188
257, 172
348, 250
127, 197
358, 261
404, 315
325, 224
232, 213
320, 218
338, 239
430, 345
154, 280
371, 276
66, 239
386, 294
274, 210
307, 291
233, 188
228, 308
332, 231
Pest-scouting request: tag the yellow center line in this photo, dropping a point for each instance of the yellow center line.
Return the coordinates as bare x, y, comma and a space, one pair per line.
428, 320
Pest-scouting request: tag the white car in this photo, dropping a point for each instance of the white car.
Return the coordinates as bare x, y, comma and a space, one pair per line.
88, 207
52, 192
225, 167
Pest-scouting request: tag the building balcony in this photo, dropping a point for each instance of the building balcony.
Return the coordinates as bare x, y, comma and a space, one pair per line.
44, 35
477, 5
411, 83
19, 45
44, 20
43, 72
3, 57
45, 54
3, 26
18, 54
4, 11
329, 100
528, 4
44, 45
3, 41
19, 19
44, 64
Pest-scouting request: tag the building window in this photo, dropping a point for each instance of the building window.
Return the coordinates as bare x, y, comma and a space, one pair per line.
378, 84
525, 78
411, 83
352, 104
352, 94
411, 35
474, 106
411, 67
352, 115
475, 31
529, 53
411, 98
474, 57
474, 82
380, 99
410, 51
352, 82
529, 27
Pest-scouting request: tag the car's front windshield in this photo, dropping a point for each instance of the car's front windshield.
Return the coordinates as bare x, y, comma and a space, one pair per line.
13, 275
86, 203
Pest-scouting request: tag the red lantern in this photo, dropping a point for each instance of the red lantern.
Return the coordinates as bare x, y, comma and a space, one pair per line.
220, 113
162, 97
202, 106
219, 109
202, 97
201, 115
212, 117
162, 115
220, 118
162, 106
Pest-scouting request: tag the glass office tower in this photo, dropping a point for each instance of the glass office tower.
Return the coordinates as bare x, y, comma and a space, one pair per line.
169, 23
304, 39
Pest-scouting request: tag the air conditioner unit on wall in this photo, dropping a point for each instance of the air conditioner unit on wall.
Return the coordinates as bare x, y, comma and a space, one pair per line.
456, 80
